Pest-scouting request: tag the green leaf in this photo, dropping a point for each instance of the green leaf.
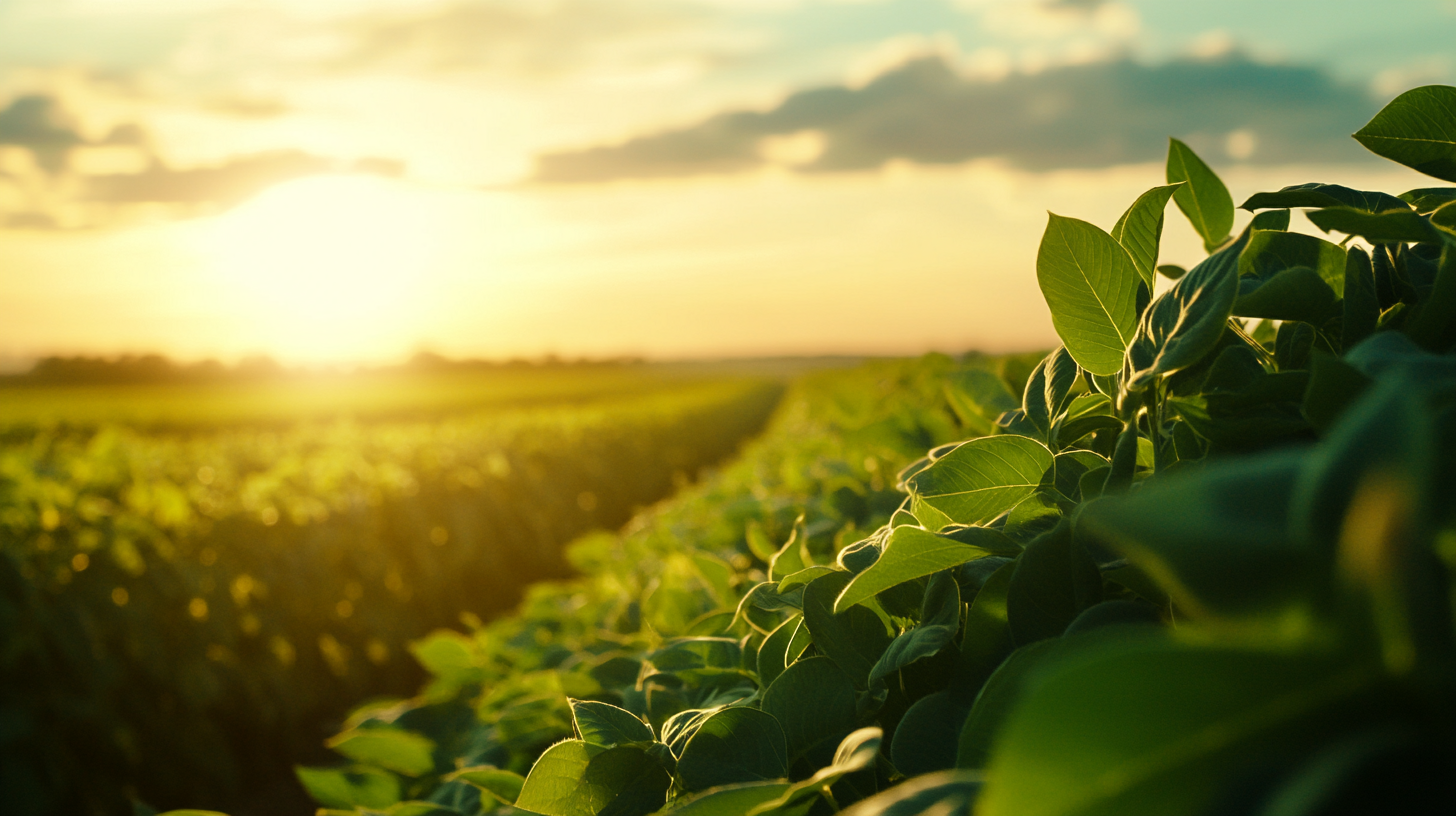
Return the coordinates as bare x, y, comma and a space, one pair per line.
981, 479
734, 745
574, 778
814, 702
997, 699
497, 782
1388, 227
854, 638
914, 552
1184, 324
978, 397
940, 619
1296, 293
1325, 195
772, 658
1140, 229
947, 793
1333, 386
397, 750
926, 738
1418, 130
607, 725
857, 752
349, 788
758, 542
1270, 252
1171, 725
1053, 581
1427, 199
1090, 283
1216, 540
1434, 327
987, 640
793, 556
729, 800
1204, 198
1361, 303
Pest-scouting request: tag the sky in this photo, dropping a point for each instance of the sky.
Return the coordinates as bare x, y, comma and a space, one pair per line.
351, 181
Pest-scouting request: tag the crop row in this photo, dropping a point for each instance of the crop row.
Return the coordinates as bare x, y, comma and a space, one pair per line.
185, 613
1199, 565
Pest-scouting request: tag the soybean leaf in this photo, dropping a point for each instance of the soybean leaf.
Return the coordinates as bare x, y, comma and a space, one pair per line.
793, 556
607, 725
1140, 749
913, 552
396, 749
940, 618
1033, 399
729, 800
813, 701
1387, 227
854, 638
497, 782
987, 638
1140, 229
1324, 195
948, 793
1361, 302
927, 736
1434, 327
1427, 199
772, 655
1171, 271
734, 745
996, 700
981, 479
1185, 322
759, 543
1053, 581
1295, 293
349, 788
1418, 130
574, 778
1216, 540
856, 752
1203, 198
1270, 252
1090, 284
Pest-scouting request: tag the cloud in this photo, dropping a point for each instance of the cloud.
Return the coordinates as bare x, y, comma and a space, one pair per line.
1079, 116
41, 125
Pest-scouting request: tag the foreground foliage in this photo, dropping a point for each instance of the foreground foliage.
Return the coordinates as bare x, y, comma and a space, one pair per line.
183, 613
1201, 565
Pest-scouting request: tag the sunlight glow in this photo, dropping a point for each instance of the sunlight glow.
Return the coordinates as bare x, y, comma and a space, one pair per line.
333, 265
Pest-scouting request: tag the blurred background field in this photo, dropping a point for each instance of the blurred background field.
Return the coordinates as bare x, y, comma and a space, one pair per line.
198, 578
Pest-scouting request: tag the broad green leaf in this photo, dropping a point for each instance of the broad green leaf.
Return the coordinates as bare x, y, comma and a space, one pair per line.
981, 479
574, 778
1361, 304
1334, 385
1418, 130
497, 782
914, 552
734, 745
1216, 540
1090, 284
1171, 724
987, 638
729, 800
1053, 581
996, 700
607, 725
947, 793
1184, 324
926, 738
813, 701
758, 542
1388, 227
802, 577
771, 655
1073, 465
1203, 198
1434, 327
1033, 399
1295, 293
854, 638
349, 788
1324, 195
1270, 252
680, 727
1427, 199
791, 557
940, 619
856, 752
397, 750
1140, 229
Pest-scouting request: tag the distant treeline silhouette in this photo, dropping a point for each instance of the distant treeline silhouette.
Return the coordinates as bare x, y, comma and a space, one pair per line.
156, 368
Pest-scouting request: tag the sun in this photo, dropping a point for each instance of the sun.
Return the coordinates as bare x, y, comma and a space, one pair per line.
328, 268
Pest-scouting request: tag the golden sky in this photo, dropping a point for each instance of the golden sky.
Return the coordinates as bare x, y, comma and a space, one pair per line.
330, 181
